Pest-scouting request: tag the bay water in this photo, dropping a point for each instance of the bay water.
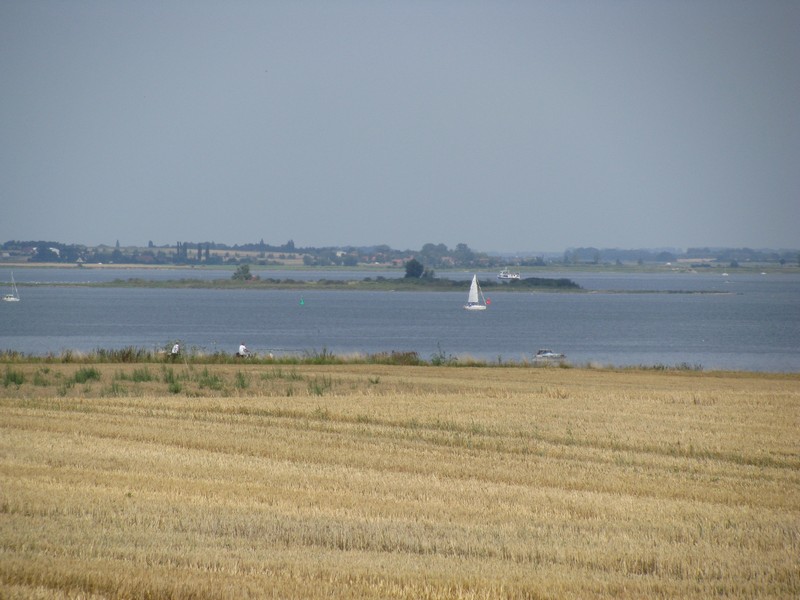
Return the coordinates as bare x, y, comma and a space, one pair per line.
742, 321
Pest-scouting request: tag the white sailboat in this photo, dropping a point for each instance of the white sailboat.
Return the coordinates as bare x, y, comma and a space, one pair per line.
475, 300
14, 295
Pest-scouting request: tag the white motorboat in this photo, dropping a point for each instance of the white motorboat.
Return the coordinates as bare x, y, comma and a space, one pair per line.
545, 354
506, 275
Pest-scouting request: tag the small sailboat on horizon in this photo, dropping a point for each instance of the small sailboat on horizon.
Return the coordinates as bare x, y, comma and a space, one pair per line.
475, 299
14, 295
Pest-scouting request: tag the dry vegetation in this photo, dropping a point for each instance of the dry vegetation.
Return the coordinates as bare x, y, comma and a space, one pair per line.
359, 481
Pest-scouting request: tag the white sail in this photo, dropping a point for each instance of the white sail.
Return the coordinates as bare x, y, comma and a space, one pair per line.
473, 291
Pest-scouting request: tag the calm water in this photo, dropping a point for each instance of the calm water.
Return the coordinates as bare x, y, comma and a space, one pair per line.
752, 324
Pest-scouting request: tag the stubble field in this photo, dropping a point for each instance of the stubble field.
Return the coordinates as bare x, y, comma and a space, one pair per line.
381, 481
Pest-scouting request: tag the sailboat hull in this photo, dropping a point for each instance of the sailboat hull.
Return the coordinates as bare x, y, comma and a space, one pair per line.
474, 307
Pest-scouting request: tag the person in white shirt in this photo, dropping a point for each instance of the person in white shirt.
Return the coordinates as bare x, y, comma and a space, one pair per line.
243, 351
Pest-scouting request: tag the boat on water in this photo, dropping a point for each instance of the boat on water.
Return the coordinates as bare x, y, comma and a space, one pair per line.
475, 299
546, 354
507, 275
14, 295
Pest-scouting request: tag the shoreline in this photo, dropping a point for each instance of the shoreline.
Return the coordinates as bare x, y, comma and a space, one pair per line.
393, 358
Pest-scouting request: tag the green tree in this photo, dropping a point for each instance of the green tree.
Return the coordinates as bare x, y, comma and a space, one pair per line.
414, 269
45, 254
463, 255
242, 273
432, 254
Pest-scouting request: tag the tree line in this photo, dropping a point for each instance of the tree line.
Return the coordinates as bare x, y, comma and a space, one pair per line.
431, 256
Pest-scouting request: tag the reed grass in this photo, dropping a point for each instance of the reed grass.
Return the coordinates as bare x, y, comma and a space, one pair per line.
199, 356
387, 481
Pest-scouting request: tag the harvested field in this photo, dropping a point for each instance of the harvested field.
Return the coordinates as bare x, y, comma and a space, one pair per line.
381, 481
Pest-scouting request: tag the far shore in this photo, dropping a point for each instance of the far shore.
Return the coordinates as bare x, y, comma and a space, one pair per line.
550, 268
56, 265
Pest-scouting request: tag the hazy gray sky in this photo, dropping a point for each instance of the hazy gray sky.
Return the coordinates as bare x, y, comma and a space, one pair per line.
513, 126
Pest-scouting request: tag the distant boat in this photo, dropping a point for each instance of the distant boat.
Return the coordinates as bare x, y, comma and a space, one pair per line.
506, 275
546, 354
475, 299
14, 295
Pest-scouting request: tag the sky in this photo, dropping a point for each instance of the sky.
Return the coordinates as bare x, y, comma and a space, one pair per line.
509, 126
